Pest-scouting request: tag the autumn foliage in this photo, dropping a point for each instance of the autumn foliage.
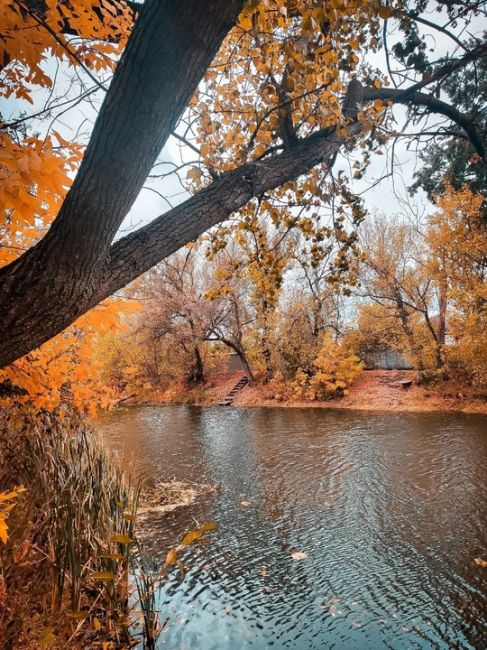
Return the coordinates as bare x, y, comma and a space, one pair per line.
36, 170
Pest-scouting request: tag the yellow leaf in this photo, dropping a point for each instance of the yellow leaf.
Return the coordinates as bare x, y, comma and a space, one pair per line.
112, 556
171, 556
191, 537
194, 174
385, 12
103, 576
79, 616
245, 21
121, 539
3, 530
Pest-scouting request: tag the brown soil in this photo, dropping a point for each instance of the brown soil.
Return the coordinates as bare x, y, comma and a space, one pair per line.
379, 390
375, 390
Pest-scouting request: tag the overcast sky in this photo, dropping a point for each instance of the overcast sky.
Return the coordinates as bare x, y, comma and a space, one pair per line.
387, 197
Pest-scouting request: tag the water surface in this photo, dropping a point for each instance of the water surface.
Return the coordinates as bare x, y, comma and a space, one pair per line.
389, 509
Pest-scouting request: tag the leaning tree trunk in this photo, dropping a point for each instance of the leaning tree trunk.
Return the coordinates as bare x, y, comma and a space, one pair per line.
404, 320
238, 349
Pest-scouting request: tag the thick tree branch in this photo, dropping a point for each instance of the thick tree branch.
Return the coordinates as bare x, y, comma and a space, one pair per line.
144, 248
169, 50
434, 105
413, 96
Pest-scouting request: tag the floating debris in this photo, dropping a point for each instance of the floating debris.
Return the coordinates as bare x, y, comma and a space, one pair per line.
331, 606
334, 600
167, 496
299, 555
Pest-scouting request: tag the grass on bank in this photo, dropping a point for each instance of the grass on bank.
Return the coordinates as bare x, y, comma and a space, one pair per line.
64, 571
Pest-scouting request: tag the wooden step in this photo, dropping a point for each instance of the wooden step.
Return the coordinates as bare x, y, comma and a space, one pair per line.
228, 399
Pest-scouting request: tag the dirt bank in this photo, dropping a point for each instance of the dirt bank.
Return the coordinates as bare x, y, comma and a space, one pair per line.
375, 390
379, 390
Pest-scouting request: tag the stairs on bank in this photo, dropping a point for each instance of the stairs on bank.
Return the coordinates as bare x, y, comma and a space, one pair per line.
228, 399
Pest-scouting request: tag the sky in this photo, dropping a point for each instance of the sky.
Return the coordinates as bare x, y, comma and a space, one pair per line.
390, 196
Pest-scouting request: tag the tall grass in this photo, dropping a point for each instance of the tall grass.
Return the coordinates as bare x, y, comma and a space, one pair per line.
65, 569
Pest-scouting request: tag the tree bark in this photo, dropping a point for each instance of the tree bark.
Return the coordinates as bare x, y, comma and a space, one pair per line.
197, 374
53, 283
404, 319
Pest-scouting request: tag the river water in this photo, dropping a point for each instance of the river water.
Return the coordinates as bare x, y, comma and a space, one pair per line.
387, 512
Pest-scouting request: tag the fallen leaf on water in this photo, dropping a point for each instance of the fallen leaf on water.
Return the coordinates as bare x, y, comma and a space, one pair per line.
480, 562
326, 604
264, 573
299, 555
356, 624
245, 504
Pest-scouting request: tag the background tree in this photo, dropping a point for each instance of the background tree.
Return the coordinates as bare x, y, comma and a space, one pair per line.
395, 276
457, 238
450, 159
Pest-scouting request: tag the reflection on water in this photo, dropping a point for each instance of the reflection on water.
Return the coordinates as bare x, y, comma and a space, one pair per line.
389, 509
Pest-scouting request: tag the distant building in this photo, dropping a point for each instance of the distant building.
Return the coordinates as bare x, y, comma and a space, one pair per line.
386, 360
233, 363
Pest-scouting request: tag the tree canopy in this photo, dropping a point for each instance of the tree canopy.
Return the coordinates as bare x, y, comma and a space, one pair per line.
264, 93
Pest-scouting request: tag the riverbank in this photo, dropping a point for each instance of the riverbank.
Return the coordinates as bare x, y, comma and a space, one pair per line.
374, 390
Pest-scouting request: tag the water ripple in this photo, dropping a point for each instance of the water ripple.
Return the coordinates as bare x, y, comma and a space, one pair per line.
388, 512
